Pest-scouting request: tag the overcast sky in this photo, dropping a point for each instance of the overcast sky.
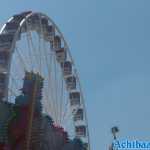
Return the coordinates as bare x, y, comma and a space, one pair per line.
110, 43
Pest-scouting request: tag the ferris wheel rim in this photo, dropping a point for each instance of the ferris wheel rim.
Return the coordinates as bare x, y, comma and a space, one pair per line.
66, 47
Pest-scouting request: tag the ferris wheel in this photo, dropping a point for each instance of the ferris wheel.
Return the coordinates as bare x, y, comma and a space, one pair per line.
31, 42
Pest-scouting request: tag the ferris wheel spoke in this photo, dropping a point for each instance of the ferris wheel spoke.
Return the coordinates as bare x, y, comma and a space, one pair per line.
66, 117
69, 125
52, 86
45, 50
34, 49
39, 51
64, 102
20, 57
49, 106
56, 88
50, 90
14, 87
14, 81
69, 117
61, 100
65, 111
28, 36
22, 61
12, 93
